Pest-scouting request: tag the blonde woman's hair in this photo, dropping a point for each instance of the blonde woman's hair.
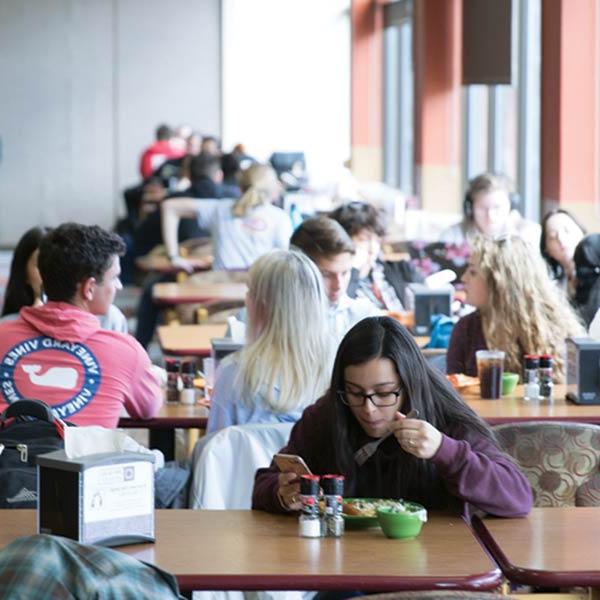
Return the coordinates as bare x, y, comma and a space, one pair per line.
289, 346
525, 313
259, 185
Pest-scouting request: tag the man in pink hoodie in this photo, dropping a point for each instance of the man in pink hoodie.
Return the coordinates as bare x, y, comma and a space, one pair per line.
59, 354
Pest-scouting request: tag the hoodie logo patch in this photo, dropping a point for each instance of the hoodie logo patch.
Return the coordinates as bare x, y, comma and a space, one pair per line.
66, 374
57, 377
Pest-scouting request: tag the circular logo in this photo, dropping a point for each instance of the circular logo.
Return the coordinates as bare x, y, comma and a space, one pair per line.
64, 374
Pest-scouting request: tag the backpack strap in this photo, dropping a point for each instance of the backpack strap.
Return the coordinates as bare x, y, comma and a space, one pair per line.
28, 408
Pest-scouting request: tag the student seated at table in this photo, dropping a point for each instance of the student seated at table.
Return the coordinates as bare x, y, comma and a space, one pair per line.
560, 235
519, 309
331, 249
490, 208
444, 458
382, 282
241, 230
24, 286
285, 363
59, 353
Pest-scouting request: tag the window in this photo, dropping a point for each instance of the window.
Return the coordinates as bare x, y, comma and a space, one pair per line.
398, 97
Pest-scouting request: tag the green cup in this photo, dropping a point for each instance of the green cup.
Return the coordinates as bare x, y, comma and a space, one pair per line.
402, 525
509, 383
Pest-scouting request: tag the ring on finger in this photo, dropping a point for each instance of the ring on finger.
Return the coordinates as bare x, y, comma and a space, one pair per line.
412, 443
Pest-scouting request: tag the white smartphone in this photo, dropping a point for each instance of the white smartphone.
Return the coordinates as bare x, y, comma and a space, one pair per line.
291, 463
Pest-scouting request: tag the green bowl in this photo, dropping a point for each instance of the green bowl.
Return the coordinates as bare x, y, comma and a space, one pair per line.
402, 525
509, 383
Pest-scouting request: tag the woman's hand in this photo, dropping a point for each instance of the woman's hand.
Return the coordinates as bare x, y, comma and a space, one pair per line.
419, 438
288, 491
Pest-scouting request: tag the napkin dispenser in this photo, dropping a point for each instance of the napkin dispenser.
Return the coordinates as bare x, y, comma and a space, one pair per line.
583, 370
428, 302
105, 499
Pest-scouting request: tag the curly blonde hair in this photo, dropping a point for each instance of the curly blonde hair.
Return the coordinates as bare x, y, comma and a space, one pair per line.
525, 313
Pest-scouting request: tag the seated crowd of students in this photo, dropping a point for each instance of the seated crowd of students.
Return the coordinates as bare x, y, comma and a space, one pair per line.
320, 350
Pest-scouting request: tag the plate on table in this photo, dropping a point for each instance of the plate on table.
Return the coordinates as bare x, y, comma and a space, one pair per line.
463, 383
361, 521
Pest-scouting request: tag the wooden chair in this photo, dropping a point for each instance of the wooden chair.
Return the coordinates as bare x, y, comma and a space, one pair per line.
561, 460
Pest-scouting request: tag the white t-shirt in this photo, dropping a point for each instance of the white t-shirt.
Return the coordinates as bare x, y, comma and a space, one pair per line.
239, 241
347, 313
465, 231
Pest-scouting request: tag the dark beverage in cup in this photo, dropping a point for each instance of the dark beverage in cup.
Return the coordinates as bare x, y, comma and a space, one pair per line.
490, 366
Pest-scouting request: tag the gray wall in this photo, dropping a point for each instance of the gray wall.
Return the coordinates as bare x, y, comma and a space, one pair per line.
84, 83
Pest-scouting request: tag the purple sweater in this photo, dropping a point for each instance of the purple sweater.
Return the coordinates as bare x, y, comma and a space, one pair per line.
475, 471
467, 338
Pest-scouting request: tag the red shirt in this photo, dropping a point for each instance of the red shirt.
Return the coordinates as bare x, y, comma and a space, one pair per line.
156, 155
58, 353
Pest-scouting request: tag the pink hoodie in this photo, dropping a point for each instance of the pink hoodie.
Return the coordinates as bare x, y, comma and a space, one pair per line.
59, 354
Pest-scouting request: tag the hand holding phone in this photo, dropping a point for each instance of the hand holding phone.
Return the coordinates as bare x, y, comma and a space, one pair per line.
291, 463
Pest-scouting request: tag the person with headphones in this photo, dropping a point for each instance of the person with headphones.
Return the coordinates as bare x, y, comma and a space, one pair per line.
490, 208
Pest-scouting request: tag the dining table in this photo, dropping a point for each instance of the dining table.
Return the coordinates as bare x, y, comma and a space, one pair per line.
555, 547
255, 550
512, 408
191, 292
189, 340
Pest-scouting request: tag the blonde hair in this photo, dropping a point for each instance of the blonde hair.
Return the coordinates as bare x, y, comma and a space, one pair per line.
289, 345
259, 185
525, 313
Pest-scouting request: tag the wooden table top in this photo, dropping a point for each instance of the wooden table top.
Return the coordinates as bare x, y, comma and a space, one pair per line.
189, 340
183, 416
161, 264
551, 547
251, 550
510, 409
189, 292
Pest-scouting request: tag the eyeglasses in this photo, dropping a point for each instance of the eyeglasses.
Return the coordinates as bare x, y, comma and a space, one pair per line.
379, 399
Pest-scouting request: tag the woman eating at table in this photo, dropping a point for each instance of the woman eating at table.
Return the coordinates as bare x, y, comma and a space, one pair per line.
519, 309
444, 458
286, 361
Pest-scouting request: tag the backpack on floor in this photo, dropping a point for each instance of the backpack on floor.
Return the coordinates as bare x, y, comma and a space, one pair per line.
27, 428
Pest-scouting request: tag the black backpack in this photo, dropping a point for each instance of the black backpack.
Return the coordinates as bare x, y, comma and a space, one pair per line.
32, 430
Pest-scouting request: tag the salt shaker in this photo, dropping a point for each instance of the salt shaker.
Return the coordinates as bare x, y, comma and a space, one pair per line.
309, 523
188, 393
531, 387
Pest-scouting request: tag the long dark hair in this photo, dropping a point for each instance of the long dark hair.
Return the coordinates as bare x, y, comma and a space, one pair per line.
18, 291
425, 388
555, 267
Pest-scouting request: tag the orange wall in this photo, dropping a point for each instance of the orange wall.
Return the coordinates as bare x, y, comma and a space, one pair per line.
367, 73
437, 49
570, 119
